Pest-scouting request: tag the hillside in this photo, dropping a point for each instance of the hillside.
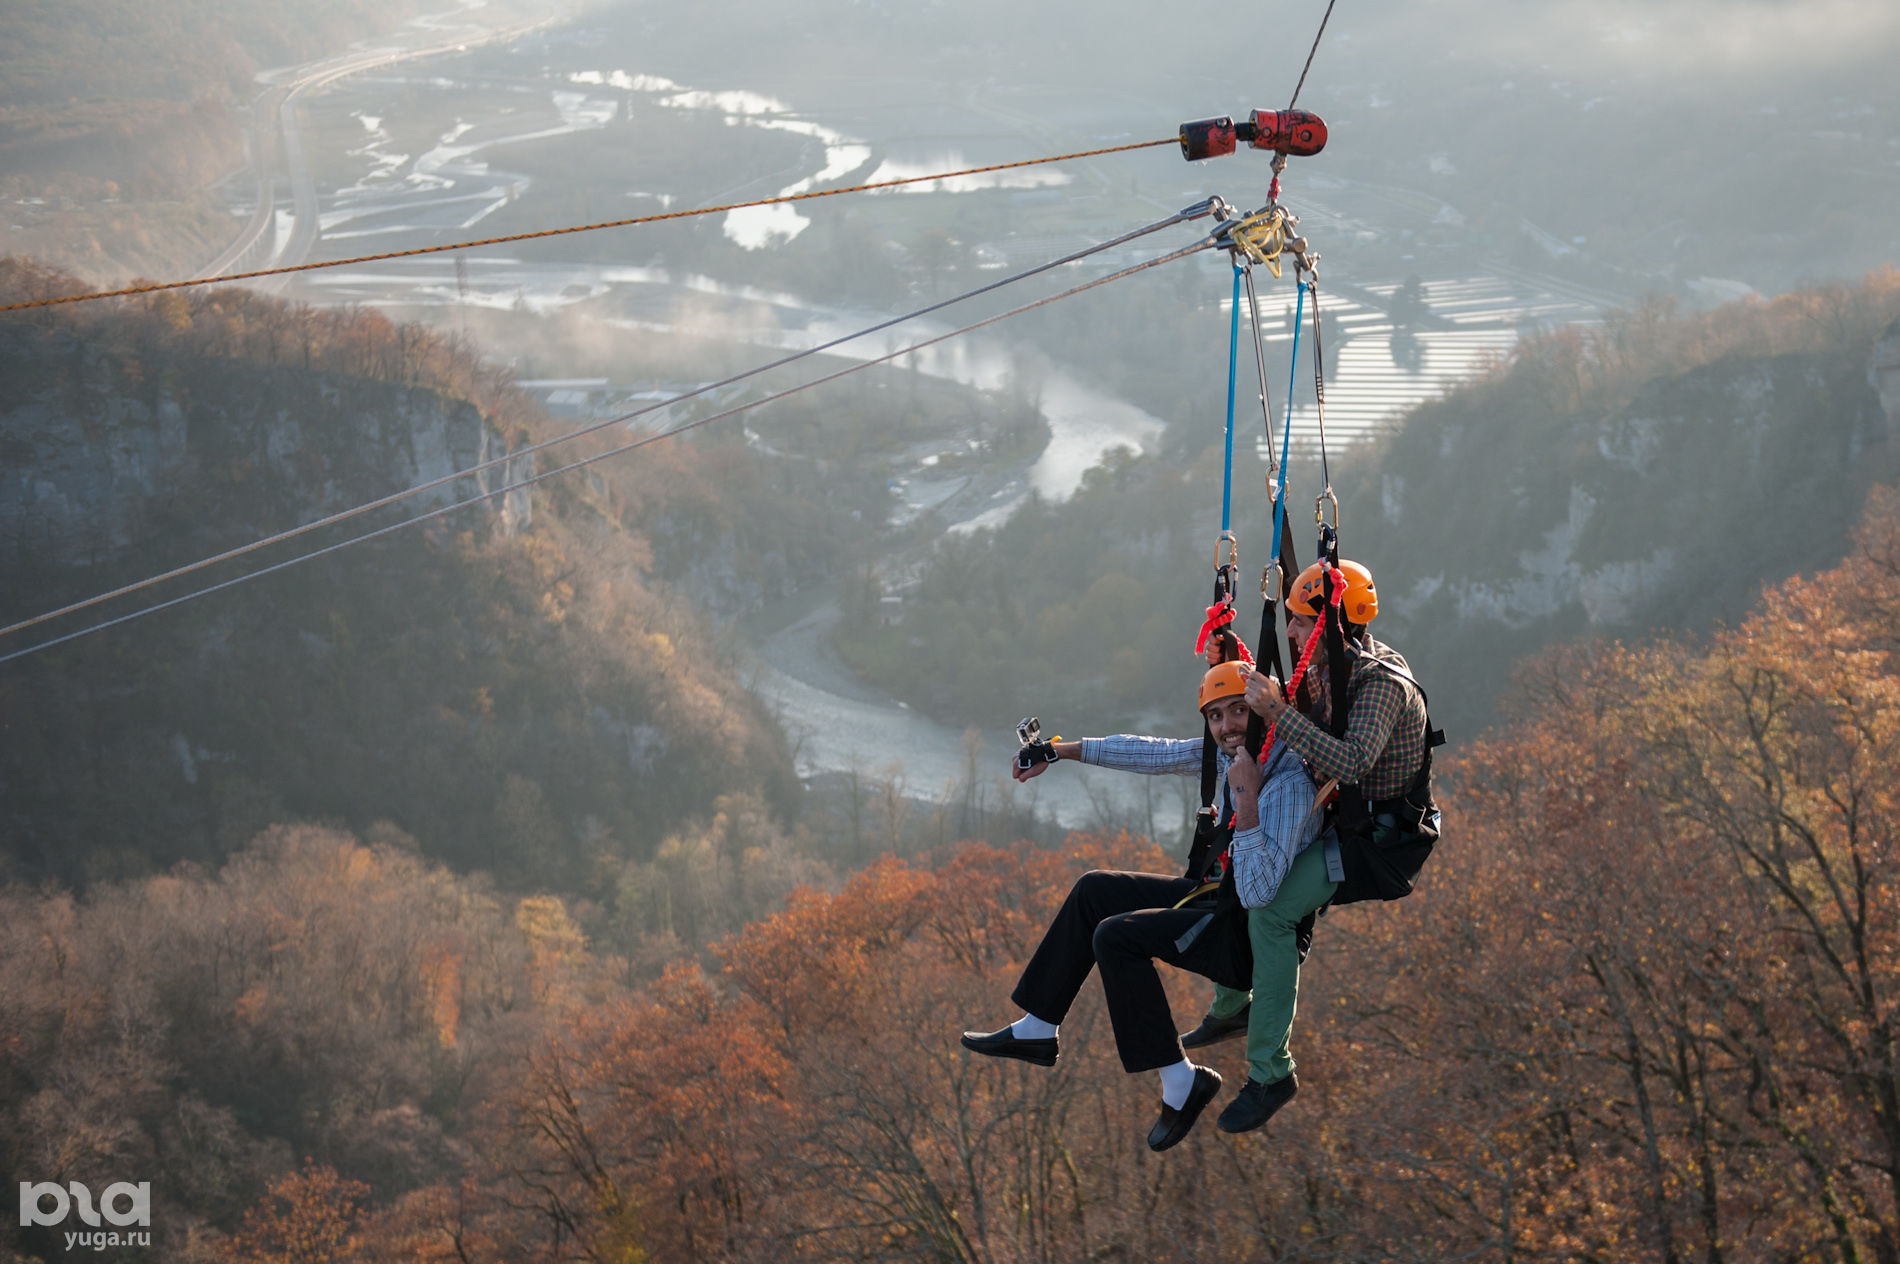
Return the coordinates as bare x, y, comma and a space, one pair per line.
1641, 1007
1650, 475
508, 685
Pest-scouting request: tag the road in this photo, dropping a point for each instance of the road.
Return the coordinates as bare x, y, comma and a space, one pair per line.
274, 135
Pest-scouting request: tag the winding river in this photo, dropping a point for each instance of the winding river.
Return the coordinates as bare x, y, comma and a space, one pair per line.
398, 199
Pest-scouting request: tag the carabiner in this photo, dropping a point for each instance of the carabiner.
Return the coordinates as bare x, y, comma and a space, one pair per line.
1319, 508
1232, 544
1228, 571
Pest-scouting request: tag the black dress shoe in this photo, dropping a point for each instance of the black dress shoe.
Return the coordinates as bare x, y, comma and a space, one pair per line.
1255, 1103
1214, 1030
1006, 1044
1174, 1124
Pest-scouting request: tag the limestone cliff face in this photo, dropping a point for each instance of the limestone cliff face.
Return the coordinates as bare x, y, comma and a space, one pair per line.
213, 454
1696, 475
1671, 513
511, 697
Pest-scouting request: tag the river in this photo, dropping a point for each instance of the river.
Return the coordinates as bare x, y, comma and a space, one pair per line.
396, 194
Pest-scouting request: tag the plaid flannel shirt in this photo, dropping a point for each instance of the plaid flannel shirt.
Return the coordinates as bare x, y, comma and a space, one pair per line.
1261, 855
1384, 745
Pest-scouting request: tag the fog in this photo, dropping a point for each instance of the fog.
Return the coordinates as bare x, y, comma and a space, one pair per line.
547, 862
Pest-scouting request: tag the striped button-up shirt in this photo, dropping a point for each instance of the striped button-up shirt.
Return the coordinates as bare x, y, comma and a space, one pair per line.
1261, 855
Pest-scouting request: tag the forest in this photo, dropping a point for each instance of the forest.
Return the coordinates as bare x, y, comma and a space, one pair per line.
460, 898
502, 929
544, 687
1642, 1007
421, 966
515, 687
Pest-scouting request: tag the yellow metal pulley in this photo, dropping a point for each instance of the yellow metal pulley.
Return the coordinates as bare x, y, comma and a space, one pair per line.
1262, 237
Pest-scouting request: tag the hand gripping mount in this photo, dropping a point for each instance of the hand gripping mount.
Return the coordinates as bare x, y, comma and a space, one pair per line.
1032, 749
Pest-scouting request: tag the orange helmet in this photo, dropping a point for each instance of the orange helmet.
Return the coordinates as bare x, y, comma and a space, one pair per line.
1360, 605
1224, 680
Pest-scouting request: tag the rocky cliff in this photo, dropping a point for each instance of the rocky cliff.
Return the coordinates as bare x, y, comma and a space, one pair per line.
99, 457
1506, 523
503, 685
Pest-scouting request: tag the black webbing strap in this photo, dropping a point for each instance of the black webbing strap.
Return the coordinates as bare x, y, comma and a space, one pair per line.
1338, 666
1267, 655
1209, 772
1207, 820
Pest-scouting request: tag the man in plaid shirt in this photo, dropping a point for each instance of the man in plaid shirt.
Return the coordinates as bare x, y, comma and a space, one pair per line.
1382, 752
1124, 922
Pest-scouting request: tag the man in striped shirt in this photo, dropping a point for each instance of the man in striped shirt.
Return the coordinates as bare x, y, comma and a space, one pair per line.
1125, 922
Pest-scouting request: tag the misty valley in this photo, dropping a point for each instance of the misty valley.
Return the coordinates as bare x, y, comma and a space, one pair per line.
511, 678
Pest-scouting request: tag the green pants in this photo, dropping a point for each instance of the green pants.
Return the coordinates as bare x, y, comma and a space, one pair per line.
1276, 967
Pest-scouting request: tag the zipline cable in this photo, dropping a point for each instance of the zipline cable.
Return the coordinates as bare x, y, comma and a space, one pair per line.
1286, 440
1309, 55
1282, 543
1319, 385
1186, 214
1204, 244
158, 286
1260, 366
1319, 390
1233, 359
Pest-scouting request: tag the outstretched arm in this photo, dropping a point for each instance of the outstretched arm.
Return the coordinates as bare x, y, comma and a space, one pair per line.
1127, 752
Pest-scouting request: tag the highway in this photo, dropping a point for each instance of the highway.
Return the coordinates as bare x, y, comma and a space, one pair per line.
274, 144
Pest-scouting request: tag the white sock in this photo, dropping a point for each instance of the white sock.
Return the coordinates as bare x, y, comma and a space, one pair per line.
1029, 1027
1177, 1082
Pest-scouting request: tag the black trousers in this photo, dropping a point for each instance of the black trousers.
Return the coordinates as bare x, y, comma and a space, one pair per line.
1124, 923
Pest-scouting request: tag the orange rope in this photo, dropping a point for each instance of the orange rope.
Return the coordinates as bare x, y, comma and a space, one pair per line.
1292, 685
157, 286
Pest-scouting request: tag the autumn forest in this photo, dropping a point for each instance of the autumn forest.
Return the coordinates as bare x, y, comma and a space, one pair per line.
493, 770
1642, 1009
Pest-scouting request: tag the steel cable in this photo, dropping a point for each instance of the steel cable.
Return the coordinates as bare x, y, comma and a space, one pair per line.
159, 286
1186, 214
1204, 244
1317, 36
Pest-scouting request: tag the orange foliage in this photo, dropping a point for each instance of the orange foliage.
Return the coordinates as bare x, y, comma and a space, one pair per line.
1645, 1006
442, 985
308, 1217
818, 959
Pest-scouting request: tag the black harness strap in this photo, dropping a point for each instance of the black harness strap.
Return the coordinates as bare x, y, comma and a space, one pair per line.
1338, 666
1207, 821
1268, 654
